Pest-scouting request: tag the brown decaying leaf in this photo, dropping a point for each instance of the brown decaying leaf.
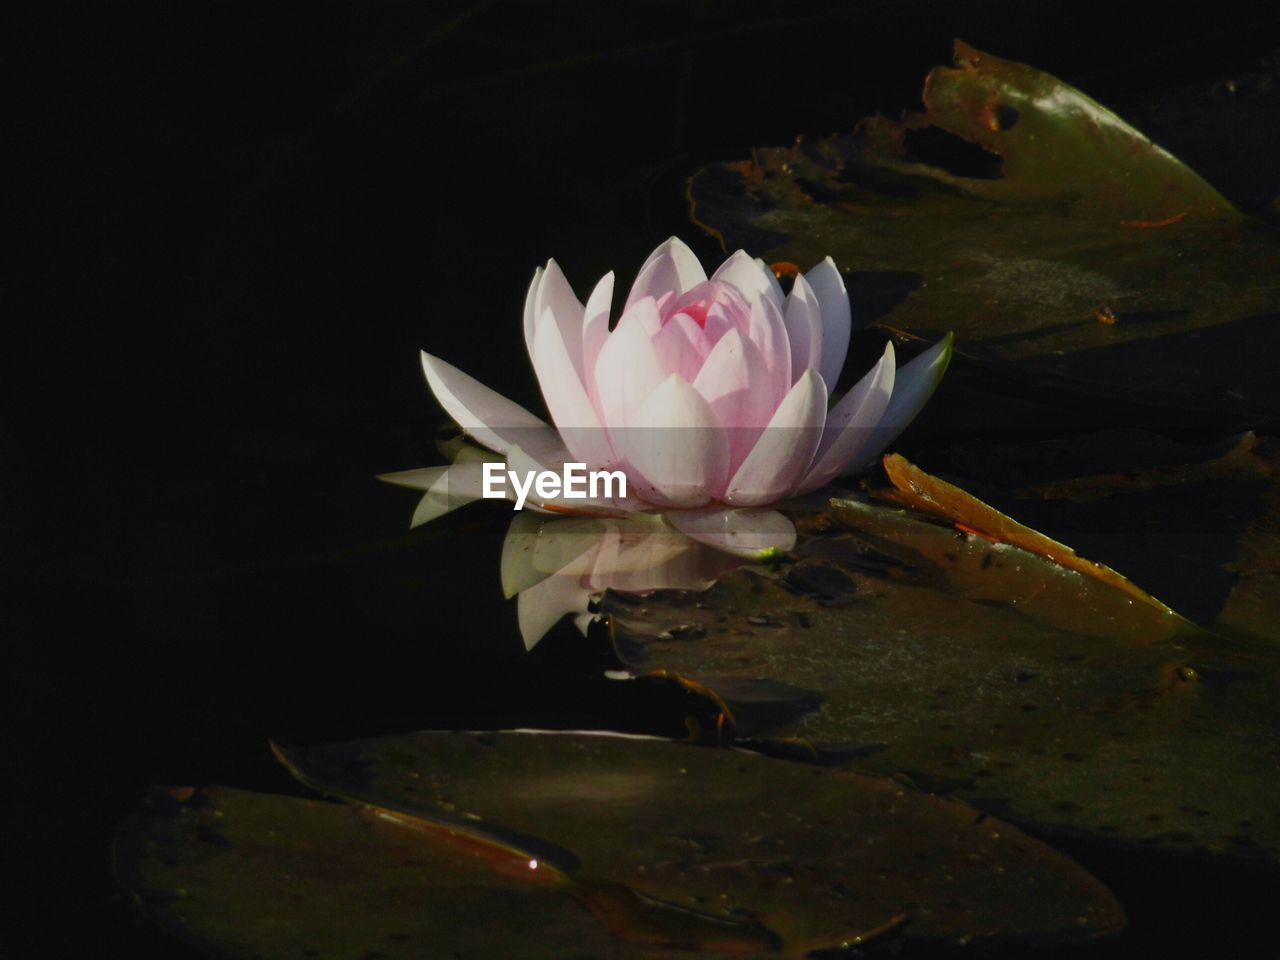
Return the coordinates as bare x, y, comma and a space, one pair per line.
926, 493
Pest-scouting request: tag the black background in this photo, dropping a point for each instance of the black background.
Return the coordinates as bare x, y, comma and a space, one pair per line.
234, 228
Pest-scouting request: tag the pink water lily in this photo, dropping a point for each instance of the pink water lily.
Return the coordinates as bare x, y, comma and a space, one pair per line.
710, 394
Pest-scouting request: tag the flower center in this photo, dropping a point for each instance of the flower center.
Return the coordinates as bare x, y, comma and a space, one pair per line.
707, 299
697, 312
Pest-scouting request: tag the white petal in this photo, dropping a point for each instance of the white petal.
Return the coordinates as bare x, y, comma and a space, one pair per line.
515, 567
627, 370
677, 447
775, 288
672, 267
595, 330
445, 488
768, 331
555, 295
531, 309
542, 606
422, 478
432, 506
571, 409
785, 449
730, 381
536, 548
751, 277
912, 387
828, 287
564, 543
852, 424
488, 417
803, 317
742, 531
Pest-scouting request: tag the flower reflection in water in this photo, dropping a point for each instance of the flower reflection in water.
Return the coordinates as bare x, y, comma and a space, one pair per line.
555, 566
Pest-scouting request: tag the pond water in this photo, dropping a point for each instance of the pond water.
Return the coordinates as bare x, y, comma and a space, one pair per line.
280, 218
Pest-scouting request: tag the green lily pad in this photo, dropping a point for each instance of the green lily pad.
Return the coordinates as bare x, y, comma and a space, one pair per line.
804, 857
1084, 254
1056, 146
255, 875
992, 673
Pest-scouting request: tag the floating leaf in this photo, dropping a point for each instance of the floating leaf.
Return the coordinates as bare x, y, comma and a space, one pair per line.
1069, 249
999, 676
815, 857
1055, 145
254, 875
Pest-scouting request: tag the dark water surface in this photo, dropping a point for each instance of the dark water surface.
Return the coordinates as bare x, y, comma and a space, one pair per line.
244, 223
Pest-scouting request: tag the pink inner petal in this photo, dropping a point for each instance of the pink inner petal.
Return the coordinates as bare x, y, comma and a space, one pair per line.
730, 382
706, 298
682, 346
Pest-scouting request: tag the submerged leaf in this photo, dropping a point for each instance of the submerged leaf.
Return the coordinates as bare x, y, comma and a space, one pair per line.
819, 857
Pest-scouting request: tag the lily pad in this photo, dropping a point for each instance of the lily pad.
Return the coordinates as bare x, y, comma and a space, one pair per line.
1055, 145
255, 875
1072, 248
999, 676
802, 857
